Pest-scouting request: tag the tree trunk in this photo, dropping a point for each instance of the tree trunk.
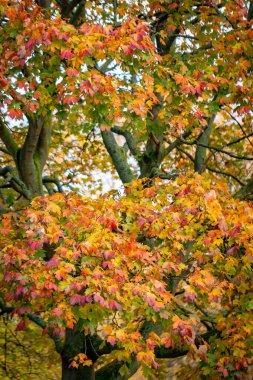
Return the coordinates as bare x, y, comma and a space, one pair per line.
75, 343
31, 158
80, 373
200, 155
151, 158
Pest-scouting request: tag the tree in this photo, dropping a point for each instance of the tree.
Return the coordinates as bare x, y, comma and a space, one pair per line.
160, 87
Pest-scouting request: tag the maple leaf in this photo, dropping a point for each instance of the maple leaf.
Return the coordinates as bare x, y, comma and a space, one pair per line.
72, 72
66, 54
15, 114
84, 104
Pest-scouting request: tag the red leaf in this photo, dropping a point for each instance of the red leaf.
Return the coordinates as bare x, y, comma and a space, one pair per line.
21, 326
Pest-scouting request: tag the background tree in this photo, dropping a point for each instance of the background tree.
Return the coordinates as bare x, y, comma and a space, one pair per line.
162, 87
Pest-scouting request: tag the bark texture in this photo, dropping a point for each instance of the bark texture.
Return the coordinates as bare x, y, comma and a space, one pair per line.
31, 158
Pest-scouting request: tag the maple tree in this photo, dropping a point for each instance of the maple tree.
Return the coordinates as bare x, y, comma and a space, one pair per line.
163, 89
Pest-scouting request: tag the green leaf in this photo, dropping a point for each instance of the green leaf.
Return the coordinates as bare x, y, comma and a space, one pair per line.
124, 370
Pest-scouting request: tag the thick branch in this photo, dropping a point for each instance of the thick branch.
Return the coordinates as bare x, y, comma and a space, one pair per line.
177, 142
34, 153
129, 140
115, 6
4, 151
250, 12
165, 49
152, 157
38, 321
171, 175
117, 156
80, 11
12, 181
44, 3
246, 192
29, 147
8, 140
47, 180
44, 140
5, 170
67, 8
172, 146
200, 155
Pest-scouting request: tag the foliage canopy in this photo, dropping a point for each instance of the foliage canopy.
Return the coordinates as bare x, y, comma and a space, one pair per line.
159, 95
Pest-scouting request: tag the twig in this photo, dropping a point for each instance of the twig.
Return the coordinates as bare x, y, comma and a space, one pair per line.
217, 150
241, 127
225, 174
226, 152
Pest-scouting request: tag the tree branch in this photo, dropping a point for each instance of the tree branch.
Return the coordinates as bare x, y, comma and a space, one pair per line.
6, 170
165, 49
14, 182
129, 140
246, 192
115, 6
44, 140
203, 139
187, 36
225, 174
67, 8
201, 48
8, 140
185, 153
38, 321
240, 125
33, 154
41, 323
47, 180
79, 11
171, 175
117, 156
226, 152
231, 154
172, 146
250, 11
19, 186
32, 138
177, 142
240, 139
5, 151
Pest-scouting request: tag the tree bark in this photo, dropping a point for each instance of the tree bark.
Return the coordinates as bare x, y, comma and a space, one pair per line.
77, 342
80, 373
117, 156
200, 155
152, 157
31, 158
